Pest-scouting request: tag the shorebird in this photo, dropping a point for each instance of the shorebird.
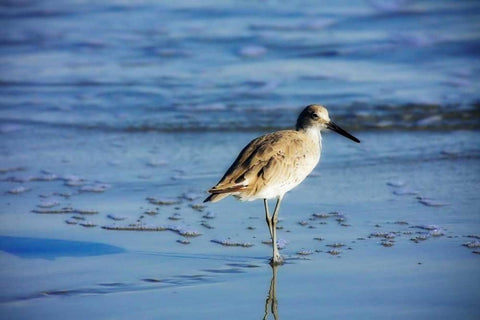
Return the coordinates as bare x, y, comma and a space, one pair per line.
275, 163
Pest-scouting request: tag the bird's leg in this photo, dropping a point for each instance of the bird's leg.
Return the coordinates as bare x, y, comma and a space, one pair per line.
277, 258
268, 218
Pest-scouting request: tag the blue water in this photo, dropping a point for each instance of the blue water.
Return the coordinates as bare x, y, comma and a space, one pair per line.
82, 84
236, 65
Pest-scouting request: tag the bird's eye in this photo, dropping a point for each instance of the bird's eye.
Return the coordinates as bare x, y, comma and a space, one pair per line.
314, 116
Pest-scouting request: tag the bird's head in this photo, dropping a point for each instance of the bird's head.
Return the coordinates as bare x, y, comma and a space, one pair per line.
316, 116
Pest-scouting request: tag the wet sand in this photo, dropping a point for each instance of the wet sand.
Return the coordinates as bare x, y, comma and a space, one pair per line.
377, 231
116, 116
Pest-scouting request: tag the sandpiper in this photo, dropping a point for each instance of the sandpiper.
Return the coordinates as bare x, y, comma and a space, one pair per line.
275, 163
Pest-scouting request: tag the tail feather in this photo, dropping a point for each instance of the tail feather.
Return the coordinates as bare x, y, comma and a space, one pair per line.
218, 194
216, 197
231, 189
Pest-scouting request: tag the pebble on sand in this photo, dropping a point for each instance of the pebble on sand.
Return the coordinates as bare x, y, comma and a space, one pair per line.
333, 252
18, 190
432, 202
472, 244
395, 183
163, 201
115, 217
387, 243
88, 224
304, 252
231, 243
48, 204
96, 188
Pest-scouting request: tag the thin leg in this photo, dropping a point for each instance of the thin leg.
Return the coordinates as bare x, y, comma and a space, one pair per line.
268, 218
277, 259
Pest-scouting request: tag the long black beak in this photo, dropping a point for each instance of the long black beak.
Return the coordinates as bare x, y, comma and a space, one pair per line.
334, 127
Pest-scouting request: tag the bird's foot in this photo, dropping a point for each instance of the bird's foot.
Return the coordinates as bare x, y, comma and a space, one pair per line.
276, 260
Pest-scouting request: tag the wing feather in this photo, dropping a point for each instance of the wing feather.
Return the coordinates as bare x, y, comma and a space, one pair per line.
262, 161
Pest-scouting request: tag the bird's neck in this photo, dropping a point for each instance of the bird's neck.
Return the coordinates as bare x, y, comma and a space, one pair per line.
314, 134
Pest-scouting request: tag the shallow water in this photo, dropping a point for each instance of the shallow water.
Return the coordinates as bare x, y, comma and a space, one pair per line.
156, 274
115, 118
229, 65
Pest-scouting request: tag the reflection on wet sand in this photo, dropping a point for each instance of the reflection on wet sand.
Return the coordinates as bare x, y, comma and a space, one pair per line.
271, 303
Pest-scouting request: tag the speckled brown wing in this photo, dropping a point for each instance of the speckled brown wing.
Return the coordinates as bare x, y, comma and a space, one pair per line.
281, 166
262, 161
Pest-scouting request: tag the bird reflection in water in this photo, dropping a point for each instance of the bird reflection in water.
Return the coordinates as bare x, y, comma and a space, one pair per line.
271, 303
